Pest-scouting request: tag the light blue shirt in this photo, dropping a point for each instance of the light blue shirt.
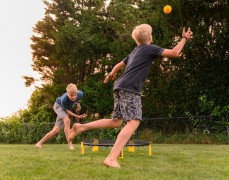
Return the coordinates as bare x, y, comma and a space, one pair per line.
66, 103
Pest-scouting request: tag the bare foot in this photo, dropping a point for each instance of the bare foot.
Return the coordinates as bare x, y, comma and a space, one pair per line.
70, 145
111, 163
38, 146
74, 131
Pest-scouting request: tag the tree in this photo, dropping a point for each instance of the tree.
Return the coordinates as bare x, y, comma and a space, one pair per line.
175, 85
79, 41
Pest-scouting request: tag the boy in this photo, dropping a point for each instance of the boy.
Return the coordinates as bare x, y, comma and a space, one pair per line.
63, 108
127, 99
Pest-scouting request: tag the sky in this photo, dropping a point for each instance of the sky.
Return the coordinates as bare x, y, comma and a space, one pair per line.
17, 18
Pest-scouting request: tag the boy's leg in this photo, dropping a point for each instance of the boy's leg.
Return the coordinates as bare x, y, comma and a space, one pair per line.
129, 106
102, 123
49, 135
67, 131
121, 141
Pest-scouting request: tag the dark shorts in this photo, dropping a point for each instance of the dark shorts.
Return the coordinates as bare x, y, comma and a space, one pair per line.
60, 115
127, 105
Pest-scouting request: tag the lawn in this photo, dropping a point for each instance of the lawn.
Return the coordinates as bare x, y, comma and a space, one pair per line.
169, 161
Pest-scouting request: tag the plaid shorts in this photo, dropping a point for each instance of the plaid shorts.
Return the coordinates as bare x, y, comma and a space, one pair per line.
127, 105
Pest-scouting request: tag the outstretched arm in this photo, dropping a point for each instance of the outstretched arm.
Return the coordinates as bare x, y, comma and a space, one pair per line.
74, 115
175, 52
115, 69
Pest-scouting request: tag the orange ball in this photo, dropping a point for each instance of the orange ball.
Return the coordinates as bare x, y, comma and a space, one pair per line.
167, 9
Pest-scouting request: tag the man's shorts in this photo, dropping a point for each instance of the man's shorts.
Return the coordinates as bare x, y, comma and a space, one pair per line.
60, 115
127, 105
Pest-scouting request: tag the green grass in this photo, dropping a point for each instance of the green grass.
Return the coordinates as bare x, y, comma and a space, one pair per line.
169, 161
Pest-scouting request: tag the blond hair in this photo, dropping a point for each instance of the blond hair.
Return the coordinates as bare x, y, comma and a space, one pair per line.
141, 33
71, 88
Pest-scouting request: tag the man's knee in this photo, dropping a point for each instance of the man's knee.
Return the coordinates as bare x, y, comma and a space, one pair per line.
117, 123
66, 121
55, 130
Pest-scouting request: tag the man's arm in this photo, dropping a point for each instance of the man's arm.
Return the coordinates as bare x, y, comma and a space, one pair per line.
78, 106
115, 69
74, 115
175, 52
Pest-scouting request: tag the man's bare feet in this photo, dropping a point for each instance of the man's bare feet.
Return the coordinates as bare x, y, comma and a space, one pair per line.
70, 146
38, 146
111, 163
75, 131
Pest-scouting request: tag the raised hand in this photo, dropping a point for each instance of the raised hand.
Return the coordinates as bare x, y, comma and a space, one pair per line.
188, 34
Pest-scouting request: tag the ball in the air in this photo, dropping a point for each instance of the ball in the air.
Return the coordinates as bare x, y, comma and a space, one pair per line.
167, 9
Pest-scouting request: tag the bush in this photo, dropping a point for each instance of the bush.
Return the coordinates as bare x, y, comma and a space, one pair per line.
183, 138
15, 131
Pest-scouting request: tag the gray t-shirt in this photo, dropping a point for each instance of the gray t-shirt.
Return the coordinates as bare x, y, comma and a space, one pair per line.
138, 64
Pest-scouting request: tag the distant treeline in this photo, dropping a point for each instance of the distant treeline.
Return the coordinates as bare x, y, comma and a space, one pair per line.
80, 42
